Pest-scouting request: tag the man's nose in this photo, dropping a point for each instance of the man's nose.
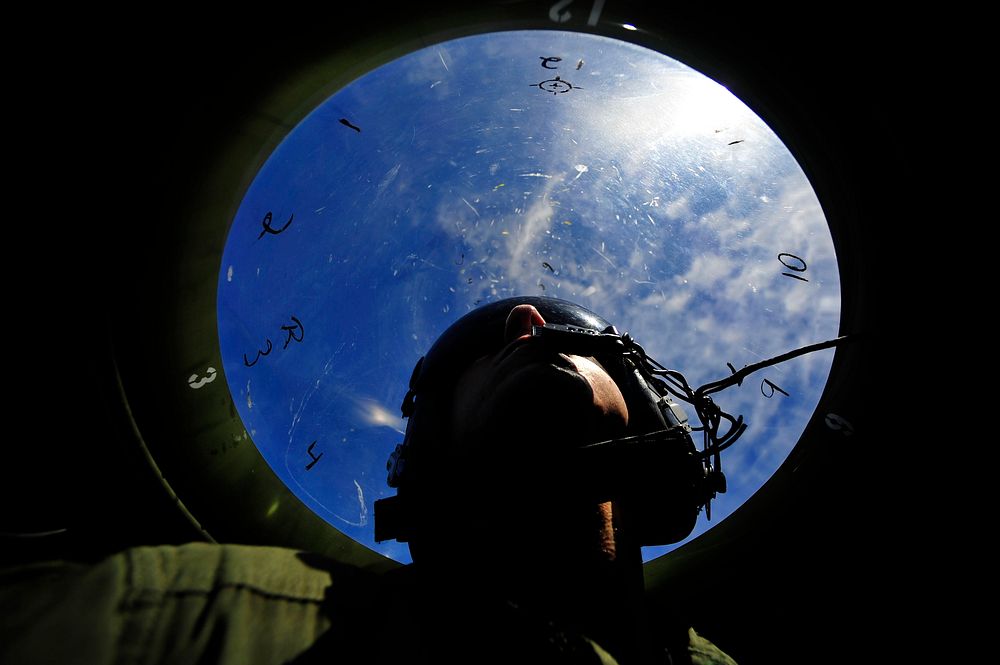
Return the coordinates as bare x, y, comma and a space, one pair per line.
519, 322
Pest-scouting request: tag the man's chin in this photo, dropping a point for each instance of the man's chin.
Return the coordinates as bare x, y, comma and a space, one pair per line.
542, 402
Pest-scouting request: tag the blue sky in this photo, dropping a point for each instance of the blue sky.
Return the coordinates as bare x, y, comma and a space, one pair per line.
646, 192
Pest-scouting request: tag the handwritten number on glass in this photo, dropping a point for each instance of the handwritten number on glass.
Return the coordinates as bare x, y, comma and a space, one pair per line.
292, 332
796, 265
556, 86
774, 388
246, 361
766, 382
266, 224
315, 458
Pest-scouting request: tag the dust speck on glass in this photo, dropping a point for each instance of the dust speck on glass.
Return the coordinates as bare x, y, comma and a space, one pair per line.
517, 163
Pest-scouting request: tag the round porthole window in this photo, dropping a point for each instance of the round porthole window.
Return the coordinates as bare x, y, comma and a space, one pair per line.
542, 163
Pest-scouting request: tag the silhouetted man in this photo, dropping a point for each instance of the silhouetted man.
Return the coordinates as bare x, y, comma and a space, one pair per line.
538, 459
517, 478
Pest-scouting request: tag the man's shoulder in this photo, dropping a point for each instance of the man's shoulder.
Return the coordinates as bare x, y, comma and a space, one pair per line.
701, 651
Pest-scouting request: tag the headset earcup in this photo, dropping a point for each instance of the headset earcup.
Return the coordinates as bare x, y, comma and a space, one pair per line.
667, 496
665, 509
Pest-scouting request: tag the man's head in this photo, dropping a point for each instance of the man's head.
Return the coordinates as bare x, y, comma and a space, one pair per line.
498, 417
526, 395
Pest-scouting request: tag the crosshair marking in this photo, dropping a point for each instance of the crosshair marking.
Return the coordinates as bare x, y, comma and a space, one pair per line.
556, 86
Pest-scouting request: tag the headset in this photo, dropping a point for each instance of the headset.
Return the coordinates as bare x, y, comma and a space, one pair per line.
656, 467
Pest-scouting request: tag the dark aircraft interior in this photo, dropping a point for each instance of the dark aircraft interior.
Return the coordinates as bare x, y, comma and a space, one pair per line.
127, 141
